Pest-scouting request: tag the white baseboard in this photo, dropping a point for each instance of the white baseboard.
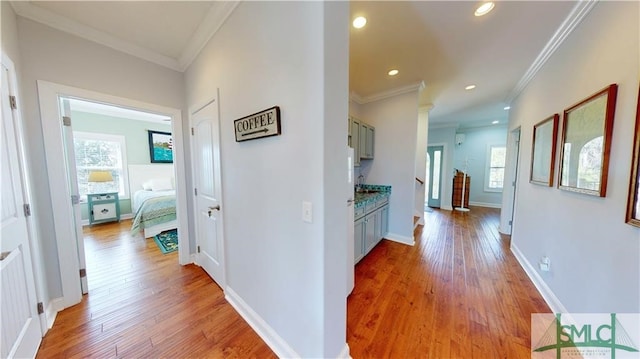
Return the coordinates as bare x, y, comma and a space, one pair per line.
193, 257
447, 208
54, 306
485, 204
273, 340
547, 294
400, 239
85, 222
345, 352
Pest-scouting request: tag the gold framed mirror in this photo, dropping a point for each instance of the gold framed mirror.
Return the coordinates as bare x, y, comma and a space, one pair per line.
543, 151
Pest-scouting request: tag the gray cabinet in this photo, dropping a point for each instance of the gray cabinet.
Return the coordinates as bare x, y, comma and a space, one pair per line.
354, 139
358, 240
366, 141
371, 225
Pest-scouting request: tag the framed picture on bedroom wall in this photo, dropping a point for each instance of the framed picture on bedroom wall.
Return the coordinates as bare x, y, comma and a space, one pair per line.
160, 147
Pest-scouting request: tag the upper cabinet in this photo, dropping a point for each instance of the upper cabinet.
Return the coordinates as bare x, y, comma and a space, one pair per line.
361, 139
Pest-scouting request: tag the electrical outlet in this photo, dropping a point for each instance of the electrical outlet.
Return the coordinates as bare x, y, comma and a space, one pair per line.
545, 264
307, 211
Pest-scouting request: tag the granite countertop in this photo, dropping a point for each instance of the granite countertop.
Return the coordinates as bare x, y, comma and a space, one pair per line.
368, 193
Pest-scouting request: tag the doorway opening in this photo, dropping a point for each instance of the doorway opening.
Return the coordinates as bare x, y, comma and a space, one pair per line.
66, 217
433, 179
119, 183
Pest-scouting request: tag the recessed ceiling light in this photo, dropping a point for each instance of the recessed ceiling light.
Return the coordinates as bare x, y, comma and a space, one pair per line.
470, 87
484, 8
393, 72
359, 22
507, 108
495, 122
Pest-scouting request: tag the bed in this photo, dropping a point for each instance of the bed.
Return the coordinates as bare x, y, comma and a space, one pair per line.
153, 200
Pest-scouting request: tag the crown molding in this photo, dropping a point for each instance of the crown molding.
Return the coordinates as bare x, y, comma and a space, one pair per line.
215, 18
419, 86
425, 108
67, 25
213, 21
575, 17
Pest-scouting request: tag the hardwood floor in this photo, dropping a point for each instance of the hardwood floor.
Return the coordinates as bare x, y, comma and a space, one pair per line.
458, 293
142, 303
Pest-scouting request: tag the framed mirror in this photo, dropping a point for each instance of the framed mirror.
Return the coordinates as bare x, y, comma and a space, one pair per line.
633, 204
543, 151
586, 142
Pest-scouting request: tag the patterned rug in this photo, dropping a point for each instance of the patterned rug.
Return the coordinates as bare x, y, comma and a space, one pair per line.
167, 241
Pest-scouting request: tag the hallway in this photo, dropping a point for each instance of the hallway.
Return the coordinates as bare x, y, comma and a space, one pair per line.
458, 293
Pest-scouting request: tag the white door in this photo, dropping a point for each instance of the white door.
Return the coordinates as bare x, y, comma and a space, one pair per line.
20, 322
206, 152
72, 178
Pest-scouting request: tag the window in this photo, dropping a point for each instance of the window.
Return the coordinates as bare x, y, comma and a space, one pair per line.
496, 159
96, 151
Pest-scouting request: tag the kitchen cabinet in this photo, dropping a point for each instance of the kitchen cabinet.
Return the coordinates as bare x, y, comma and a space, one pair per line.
366, 142
358, 240
371, 225
354, 139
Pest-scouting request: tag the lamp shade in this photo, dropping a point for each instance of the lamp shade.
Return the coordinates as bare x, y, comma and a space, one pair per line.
100, 176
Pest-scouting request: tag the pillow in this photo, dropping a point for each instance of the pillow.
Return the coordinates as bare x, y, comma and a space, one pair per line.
146, 186
161, 184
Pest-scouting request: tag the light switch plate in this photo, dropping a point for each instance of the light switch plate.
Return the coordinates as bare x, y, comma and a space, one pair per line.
307, 211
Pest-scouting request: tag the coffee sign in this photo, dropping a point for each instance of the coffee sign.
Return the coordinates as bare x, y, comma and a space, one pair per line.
262, 124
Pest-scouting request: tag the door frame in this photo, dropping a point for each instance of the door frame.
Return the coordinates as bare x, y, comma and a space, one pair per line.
48, 94
509, 192
193, 109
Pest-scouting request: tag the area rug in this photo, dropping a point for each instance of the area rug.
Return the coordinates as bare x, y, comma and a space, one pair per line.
167, 241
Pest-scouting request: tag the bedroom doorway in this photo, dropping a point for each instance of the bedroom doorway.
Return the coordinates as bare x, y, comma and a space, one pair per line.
71, 254
114, 173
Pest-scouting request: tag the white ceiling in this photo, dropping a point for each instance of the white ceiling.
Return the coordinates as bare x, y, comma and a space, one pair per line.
440, 43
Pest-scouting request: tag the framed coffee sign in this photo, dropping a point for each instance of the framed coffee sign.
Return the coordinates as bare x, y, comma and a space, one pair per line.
265, 123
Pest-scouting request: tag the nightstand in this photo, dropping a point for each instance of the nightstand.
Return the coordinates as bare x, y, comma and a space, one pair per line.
103, 207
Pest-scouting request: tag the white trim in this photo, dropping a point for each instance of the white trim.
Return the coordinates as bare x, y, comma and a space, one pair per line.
54, 306
260, 326
547, 294
64, 230
575, 17
386, 94
213, 21
44, 16
394, 237
345, 352
485, 204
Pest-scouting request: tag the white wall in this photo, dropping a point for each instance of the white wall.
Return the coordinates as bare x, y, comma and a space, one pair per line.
595, 256
283, 270
52, 55
421, 161
474, 148
445, 136
396, 123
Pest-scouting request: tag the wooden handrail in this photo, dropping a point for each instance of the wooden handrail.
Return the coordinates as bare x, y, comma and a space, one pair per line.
419, 180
